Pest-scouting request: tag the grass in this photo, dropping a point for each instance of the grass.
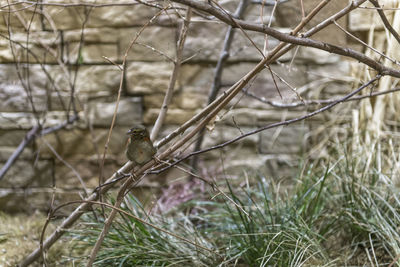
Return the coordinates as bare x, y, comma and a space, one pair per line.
346, 213
19, 236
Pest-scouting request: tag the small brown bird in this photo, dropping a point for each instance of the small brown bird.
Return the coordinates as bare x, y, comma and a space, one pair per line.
140, 148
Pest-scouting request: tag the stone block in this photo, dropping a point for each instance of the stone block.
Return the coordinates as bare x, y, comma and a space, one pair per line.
327, 81
14, 97
11, 138
100, 114
253, 117
98, 80
147, 78
223, 133
363, 19
312, 55
290, 139
75, 142
88, 170
21, 17
7, 151
31, 199
190, 100
174, 116
195, 78
289, 14
16, 120
162, 39
199, 79
12, 94
91, 53
205, 41
155, 101
107, 13
183, 100
43, 47
113, 42
25, 173
93, 35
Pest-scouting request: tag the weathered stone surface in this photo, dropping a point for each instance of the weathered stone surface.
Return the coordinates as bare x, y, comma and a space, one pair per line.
190, 100
113, 42
253, 14
317, 56
28, 173
361, 19
182, 99
195, 78
174, 116
329, 80
13, 96
11, 138
289, 14
75, 142
156, 100
108, 32
7, 151
210, 48
88, 170
162, 39
16, 120
112, 14
252, 117
199, 80
129, 112
146, 78
290, 139
43, 47
223, 133
93, 35
32, 199
21, 19
91, 53
98, 80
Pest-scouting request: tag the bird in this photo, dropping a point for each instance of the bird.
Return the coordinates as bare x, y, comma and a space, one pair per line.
140, 148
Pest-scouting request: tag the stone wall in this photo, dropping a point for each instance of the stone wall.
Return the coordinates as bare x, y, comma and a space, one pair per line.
55, 33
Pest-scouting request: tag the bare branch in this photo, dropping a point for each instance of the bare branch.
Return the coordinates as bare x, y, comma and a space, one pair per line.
205, 115
287, 38
223, 57
385, 20
273, 125
177, 64
317, 101
120, 197
26, 141
29, 137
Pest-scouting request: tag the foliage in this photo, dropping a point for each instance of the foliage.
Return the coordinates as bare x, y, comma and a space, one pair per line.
337, 214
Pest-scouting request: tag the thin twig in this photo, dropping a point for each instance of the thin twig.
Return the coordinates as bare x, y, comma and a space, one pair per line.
58, 156
217, 81
273, 125
17, 152
365, 44
127, 214
216, 105
385, 20
28, 139
177, 64
317, 101
110, 218
303, 40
